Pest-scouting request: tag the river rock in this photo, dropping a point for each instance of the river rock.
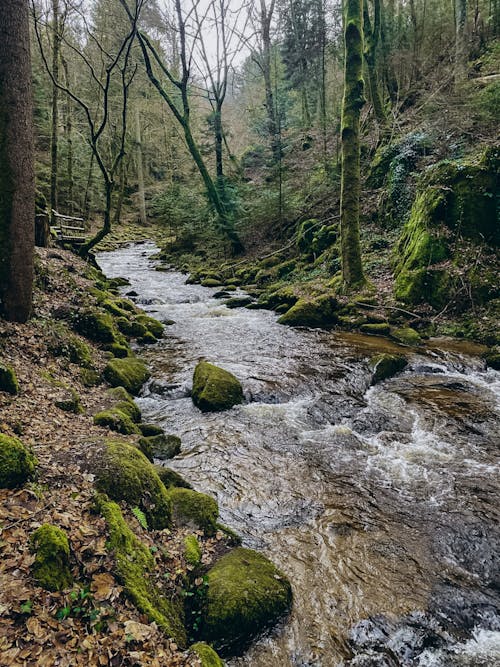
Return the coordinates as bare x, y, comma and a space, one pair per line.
246, 594
386, 365
320, 312
215, 389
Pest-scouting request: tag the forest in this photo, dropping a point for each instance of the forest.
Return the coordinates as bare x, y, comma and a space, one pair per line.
249, 341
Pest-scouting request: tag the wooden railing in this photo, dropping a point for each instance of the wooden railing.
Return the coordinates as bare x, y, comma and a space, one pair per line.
68, 229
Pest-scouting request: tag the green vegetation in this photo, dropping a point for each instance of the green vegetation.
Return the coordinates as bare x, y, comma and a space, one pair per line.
116, 420
51, 568
128, 373
386, 365
192, 550
246, 594
17, 463
124, 473
190, 508
215, 389
8, 380
319, 312
207, 655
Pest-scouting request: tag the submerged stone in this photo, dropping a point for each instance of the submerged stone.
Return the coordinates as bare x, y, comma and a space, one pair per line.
128, 373
386, 365
215, 389
17, 463
246, 594
51, 569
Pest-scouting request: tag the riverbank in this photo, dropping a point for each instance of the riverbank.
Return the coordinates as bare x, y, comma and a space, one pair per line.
56, 400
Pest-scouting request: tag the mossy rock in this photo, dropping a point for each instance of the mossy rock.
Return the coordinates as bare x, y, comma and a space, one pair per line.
206, 654
211, 282
8, 380
148, 338
215, 389
90, 377
124, 473
134, 567
406, 336
128, 373
119, 282
148, 430
152, 325
376, 328
124, 402
17, 463
190, 508
492, 359
51, 568
116, 420
246, 594
170, 478
192, 550
130, 328
317, 313
119, 350
160, 446
95, 325
238, 302
71, 404
284, 296
62, 343
385, 366
119, 307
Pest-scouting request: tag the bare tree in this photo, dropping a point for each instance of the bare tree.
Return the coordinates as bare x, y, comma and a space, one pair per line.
17, 178
115, 71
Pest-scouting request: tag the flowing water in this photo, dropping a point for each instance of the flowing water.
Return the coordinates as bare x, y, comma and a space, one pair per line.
379, 503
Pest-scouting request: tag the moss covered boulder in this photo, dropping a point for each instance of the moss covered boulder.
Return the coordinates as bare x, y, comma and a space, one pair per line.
148, 430
246, 594
51, 568
192, 550
17, 463
124, 473
134, 567
406, 336
95, 325
384, 366
122, 400
376, 328
116, 420
197, 510
492, 358
320, 313
128, 373
130, 327
8, 380
161, 446
206, 654
215, 389
171, 478
152, 325
63, 343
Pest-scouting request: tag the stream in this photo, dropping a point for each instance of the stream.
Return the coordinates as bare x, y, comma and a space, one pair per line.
379, 503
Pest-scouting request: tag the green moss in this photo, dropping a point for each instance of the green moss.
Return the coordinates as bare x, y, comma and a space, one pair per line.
131, 328
386, 365
152, 325
211, 282
124, 473
190, 508
238, 302
116, 307
124, 402
17, 463
134, 567
215, 389
8, 380
90, 378
148, 338
284, 296
246, 594
320, 312
160, 446
207, 655
492, 359
119, 350
116, 420
376, 328
171, 478
71, 404
128, 373
150, 429
192, 550
51, 568
406, 336
95, 325
62, 343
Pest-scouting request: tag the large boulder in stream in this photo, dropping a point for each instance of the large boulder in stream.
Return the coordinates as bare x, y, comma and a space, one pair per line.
246, 594
215, 389
386, 365
320, 312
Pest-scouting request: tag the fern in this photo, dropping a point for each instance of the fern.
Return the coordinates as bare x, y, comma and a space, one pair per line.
141, 517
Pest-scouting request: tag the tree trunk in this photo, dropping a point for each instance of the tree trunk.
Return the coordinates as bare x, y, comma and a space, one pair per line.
352, 270
272, 124
68, 130
140, 169
371, 39
56, 50
17, 179
460, 46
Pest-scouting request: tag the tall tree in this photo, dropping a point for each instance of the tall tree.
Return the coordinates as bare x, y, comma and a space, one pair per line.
371, 32
17, 179
56, 55
352, 270
460, 46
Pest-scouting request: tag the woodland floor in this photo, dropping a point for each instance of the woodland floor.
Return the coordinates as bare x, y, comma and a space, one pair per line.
94, 623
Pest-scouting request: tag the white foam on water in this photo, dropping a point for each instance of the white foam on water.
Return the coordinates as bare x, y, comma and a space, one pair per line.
481, 650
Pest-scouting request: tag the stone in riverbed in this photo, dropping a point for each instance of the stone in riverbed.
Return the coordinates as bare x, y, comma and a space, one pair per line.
128, 373
386, 365
320, 312
215, 389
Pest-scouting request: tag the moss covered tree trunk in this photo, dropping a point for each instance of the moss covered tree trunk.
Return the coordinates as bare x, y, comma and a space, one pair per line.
56, 49
352, 270
371, 40
17, 179
460, 45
